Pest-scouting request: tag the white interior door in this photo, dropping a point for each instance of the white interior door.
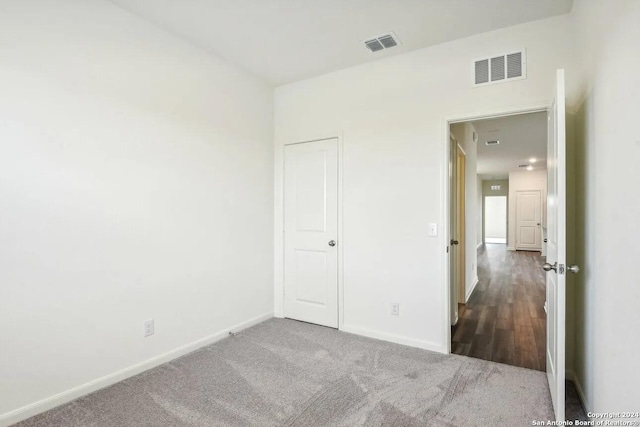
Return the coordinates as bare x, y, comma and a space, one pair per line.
311, 231
556, 248
528, 219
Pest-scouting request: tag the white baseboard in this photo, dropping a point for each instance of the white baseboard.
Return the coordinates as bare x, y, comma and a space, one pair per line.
51, 402
397, 339
571, 376
470, 290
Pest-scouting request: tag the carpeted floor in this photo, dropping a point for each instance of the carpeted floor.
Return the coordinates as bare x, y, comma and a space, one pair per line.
288, 373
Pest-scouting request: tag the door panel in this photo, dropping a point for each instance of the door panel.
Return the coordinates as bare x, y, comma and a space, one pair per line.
556, 249
310, 268
527, 236
310, 175
310, 223
528, 219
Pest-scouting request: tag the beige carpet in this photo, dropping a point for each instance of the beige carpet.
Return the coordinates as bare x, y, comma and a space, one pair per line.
288, 373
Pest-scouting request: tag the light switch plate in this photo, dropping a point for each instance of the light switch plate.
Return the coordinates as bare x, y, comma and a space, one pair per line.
433, 229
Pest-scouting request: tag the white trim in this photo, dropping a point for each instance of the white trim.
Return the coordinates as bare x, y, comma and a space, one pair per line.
51, 402
571, 376
398, 339
444, 194
470, 290
537, 107
479, 245
340, 231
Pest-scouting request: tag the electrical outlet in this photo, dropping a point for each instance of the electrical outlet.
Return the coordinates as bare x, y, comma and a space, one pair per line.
149, 328
395, 309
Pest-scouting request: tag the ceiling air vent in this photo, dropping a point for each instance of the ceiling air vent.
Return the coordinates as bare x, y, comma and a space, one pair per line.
499, 68
494, 142
374, 45
384, 41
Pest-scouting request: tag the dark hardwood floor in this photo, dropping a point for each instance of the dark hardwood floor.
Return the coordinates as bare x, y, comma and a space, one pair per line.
504, 319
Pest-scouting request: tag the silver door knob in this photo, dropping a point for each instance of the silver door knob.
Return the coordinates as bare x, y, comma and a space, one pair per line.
332, 242
549, 267
574, 269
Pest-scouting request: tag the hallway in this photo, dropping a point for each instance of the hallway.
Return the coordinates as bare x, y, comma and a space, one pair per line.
504, 320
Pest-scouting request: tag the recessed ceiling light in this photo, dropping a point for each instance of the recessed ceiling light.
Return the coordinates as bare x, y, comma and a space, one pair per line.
494, 142
533, 160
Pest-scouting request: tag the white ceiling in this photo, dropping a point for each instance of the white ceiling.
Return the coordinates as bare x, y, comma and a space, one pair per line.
281, 41
521, 137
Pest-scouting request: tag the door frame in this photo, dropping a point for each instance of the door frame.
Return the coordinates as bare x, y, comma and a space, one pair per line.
278, 219
461, 210
446, 122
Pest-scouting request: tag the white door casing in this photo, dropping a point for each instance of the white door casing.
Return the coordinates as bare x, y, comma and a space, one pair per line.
310, 230
452, 251
528, 220
556, 248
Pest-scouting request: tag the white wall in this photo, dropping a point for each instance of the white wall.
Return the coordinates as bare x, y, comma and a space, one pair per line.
136, 179
523, 181
392, 117
608, 291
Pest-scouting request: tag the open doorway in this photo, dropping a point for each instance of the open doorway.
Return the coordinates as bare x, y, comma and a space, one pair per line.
495, 219
500, 312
